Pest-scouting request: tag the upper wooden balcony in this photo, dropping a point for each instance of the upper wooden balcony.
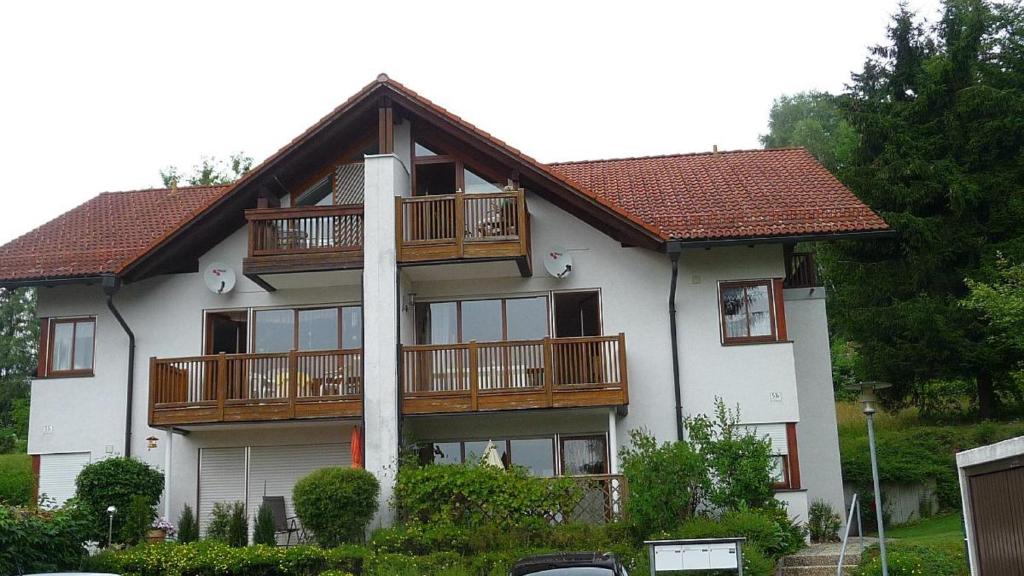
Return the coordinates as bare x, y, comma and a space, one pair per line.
464, 227
801, 271
304, 239
255, 387
511, 375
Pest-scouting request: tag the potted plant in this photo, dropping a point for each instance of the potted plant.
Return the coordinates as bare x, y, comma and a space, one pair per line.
161, 530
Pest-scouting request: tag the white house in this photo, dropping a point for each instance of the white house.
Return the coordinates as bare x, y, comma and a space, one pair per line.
396, 277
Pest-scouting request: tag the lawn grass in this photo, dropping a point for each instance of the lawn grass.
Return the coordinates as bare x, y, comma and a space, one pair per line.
946, 528
15, 479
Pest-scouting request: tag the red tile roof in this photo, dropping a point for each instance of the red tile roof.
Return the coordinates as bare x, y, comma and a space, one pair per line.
102, 235
741, 194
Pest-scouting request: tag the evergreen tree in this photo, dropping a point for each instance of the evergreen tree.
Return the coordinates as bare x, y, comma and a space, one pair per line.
941, 157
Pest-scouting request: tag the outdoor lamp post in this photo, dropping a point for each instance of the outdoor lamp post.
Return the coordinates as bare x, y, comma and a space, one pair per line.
868, 399
110, 527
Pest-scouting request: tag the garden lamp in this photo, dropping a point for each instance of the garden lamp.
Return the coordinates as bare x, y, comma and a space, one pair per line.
868, 398
111, 510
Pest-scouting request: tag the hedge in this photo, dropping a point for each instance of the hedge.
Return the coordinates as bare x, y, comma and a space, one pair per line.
35, 540
16, 479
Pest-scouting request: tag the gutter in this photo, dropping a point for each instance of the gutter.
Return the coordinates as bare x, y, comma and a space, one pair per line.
868, 235
111, 285
674, 250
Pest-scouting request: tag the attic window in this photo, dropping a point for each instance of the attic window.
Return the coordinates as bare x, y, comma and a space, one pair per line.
422, 150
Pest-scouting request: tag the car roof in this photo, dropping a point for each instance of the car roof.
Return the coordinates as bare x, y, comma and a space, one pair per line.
533, 564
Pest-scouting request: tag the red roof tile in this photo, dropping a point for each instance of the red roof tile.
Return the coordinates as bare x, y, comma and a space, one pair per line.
741, 194
102, 235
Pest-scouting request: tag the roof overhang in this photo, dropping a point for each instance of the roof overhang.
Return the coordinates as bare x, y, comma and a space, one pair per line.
677, 245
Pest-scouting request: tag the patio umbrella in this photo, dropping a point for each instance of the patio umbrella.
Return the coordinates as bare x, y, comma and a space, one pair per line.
357, 447
491, 457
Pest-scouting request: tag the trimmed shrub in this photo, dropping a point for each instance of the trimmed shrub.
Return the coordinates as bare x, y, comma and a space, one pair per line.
137, 521
263, 530
114, 482
823, 522
16, 479
202, 558
229, 524
35, 540
472, 496
655, 505
188, 526
336, 504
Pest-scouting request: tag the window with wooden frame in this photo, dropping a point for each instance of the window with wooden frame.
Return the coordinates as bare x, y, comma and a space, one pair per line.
435, 172
786, 466
490, 320
751, 311
317, 328
71, 347
584, 455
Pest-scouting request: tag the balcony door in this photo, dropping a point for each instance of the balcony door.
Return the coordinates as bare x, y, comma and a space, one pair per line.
577, 314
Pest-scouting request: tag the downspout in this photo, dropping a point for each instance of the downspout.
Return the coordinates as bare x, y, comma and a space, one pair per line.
111, 285
674, 250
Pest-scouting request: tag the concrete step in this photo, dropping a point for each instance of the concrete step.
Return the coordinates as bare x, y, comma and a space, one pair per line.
848, 570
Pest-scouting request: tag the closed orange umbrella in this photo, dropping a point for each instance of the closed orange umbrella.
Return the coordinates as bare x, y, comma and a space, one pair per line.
357, 447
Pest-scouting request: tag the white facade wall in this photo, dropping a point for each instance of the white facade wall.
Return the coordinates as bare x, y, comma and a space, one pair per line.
87, 414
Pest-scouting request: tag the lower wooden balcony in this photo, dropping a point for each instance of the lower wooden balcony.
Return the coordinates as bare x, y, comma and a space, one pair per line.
255, 387
515, 375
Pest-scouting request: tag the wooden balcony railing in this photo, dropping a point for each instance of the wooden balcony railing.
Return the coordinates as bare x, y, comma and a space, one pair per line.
482, 376
801, 271
255, 387
304, 238
458, 226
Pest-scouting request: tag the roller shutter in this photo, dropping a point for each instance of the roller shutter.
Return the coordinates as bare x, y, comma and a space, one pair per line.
221, 479
274, 470
57, 473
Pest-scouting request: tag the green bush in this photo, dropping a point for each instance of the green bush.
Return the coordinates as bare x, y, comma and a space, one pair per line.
474, 495
229, 524
915, 560
114, 482
263, 531
770, 530
16, 479
137, 521
35, 540
8, 440
654, 504
336, 504
188, 526
823, 522
740, 463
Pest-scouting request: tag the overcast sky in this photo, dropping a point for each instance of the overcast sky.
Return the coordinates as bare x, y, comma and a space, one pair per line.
99, 96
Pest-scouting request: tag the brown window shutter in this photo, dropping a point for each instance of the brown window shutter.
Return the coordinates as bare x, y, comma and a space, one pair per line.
43, 367
794, 456
780, 310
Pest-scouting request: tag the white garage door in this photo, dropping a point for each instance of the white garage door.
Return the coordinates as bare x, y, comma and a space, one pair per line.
57, 473
274, 470
221, 479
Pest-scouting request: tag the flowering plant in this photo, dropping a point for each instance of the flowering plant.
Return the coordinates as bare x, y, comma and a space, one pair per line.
161, 523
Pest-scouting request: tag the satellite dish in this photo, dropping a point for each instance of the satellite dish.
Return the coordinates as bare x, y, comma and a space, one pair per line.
557, 262
219, 278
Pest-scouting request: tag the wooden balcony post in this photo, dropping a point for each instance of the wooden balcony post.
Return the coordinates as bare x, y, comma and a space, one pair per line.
222, 384
460, 221
293, 381
549, 373
152, 388
623, 371
521, 230
474, 376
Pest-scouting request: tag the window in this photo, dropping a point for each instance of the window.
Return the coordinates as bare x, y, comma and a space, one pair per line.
583, 455
747, 310
780, 471
482, 320
535, 454
72, 343
438, 172
283, 330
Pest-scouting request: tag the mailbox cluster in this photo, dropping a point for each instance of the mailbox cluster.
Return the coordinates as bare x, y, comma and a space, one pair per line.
699, 554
